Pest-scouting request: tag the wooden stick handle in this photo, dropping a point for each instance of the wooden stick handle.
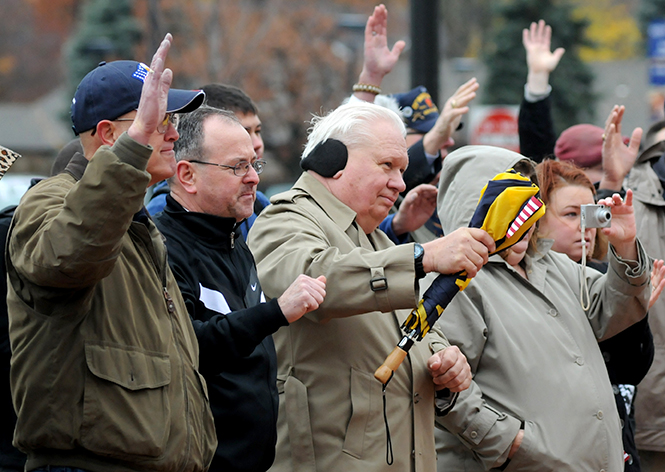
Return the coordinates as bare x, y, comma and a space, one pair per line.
384, 373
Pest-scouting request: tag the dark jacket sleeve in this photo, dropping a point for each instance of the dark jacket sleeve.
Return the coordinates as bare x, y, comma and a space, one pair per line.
223, 338
536, 129
72, 240
419, 170
10, 457
629, 354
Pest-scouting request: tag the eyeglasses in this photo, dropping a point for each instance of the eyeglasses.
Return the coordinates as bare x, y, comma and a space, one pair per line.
240, 169
164, 125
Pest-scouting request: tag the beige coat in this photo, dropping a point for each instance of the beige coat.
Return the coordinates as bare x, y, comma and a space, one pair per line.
330, 416
532, 348
650, 218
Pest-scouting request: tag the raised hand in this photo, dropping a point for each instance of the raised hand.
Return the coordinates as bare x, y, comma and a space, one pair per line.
440, 136
378, 59
539, 59
657, 281
622, 233
154, 95
618, 158
418, 206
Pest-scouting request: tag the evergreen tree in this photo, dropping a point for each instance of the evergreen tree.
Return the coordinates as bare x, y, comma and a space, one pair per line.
572, 95
107, 31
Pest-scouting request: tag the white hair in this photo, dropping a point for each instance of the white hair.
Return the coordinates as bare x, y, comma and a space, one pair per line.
351, 124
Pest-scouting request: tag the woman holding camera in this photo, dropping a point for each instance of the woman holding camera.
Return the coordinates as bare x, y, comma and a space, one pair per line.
628, 356
540, 399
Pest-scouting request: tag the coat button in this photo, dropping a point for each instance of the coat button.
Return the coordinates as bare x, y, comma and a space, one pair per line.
579, 361
552, 312
474, 434
602, 470
413, 454
599, 415
416, 397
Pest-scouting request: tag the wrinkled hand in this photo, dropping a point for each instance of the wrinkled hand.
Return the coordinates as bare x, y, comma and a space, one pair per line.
418, 206
378, 60
440, 136
450, 369
657, 281
465, 249
305, 294
154, 96
621, 234
539, 59
618, 158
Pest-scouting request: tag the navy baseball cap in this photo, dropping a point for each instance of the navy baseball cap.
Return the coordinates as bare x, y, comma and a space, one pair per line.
418, 109
113, 89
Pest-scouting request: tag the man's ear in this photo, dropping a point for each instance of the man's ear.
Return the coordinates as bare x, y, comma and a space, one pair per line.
106, 132
186, 175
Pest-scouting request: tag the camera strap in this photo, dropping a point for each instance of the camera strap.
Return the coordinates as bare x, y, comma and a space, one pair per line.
584, 286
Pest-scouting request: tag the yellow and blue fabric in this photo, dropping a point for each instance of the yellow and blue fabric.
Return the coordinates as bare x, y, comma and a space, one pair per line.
508, 207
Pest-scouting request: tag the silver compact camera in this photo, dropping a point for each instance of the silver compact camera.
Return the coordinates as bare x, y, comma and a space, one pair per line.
595, 216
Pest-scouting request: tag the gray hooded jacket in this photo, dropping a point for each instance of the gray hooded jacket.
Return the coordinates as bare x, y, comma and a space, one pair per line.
650, 219
533, 350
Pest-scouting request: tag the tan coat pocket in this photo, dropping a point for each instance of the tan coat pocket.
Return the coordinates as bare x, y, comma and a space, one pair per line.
365, 404
126, 409
300, 427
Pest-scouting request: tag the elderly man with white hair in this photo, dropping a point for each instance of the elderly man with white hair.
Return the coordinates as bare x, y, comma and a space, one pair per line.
331, 412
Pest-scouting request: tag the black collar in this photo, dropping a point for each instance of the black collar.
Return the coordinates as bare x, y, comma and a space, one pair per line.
211, 230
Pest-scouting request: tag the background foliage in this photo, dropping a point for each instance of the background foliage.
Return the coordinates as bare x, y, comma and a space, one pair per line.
294, 57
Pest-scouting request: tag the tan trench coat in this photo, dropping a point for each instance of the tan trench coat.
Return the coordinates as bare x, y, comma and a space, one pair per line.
330, 416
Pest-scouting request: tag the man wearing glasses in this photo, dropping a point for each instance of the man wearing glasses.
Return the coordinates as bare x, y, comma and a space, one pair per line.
105, 362
212, 192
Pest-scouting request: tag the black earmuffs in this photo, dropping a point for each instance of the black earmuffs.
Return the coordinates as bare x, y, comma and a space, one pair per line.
327, 158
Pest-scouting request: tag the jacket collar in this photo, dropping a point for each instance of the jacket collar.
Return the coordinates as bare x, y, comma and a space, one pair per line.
211, 230
76, 166
342, 215
652, 152
643, 180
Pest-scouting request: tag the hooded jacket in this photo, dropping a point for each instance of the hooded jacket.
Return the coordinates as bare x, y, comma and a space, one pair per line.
104, 372
532, 349
649, 206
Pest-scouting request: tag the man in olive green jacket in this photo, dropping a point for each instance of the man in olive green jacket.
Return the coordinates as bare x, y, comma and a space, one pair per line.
331, 411
104, 372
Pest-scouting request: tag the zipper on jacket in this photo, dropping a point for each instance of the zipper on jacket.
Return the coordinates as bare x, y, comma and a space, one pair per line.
170, 306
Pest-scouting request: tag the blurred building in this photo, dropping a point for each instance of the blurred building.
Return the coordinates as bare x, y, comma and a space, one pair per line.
36, 130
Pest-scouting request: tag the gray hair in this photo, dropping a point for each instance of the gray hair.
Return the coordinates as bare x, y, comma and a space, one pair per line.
189, 145
350, 123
